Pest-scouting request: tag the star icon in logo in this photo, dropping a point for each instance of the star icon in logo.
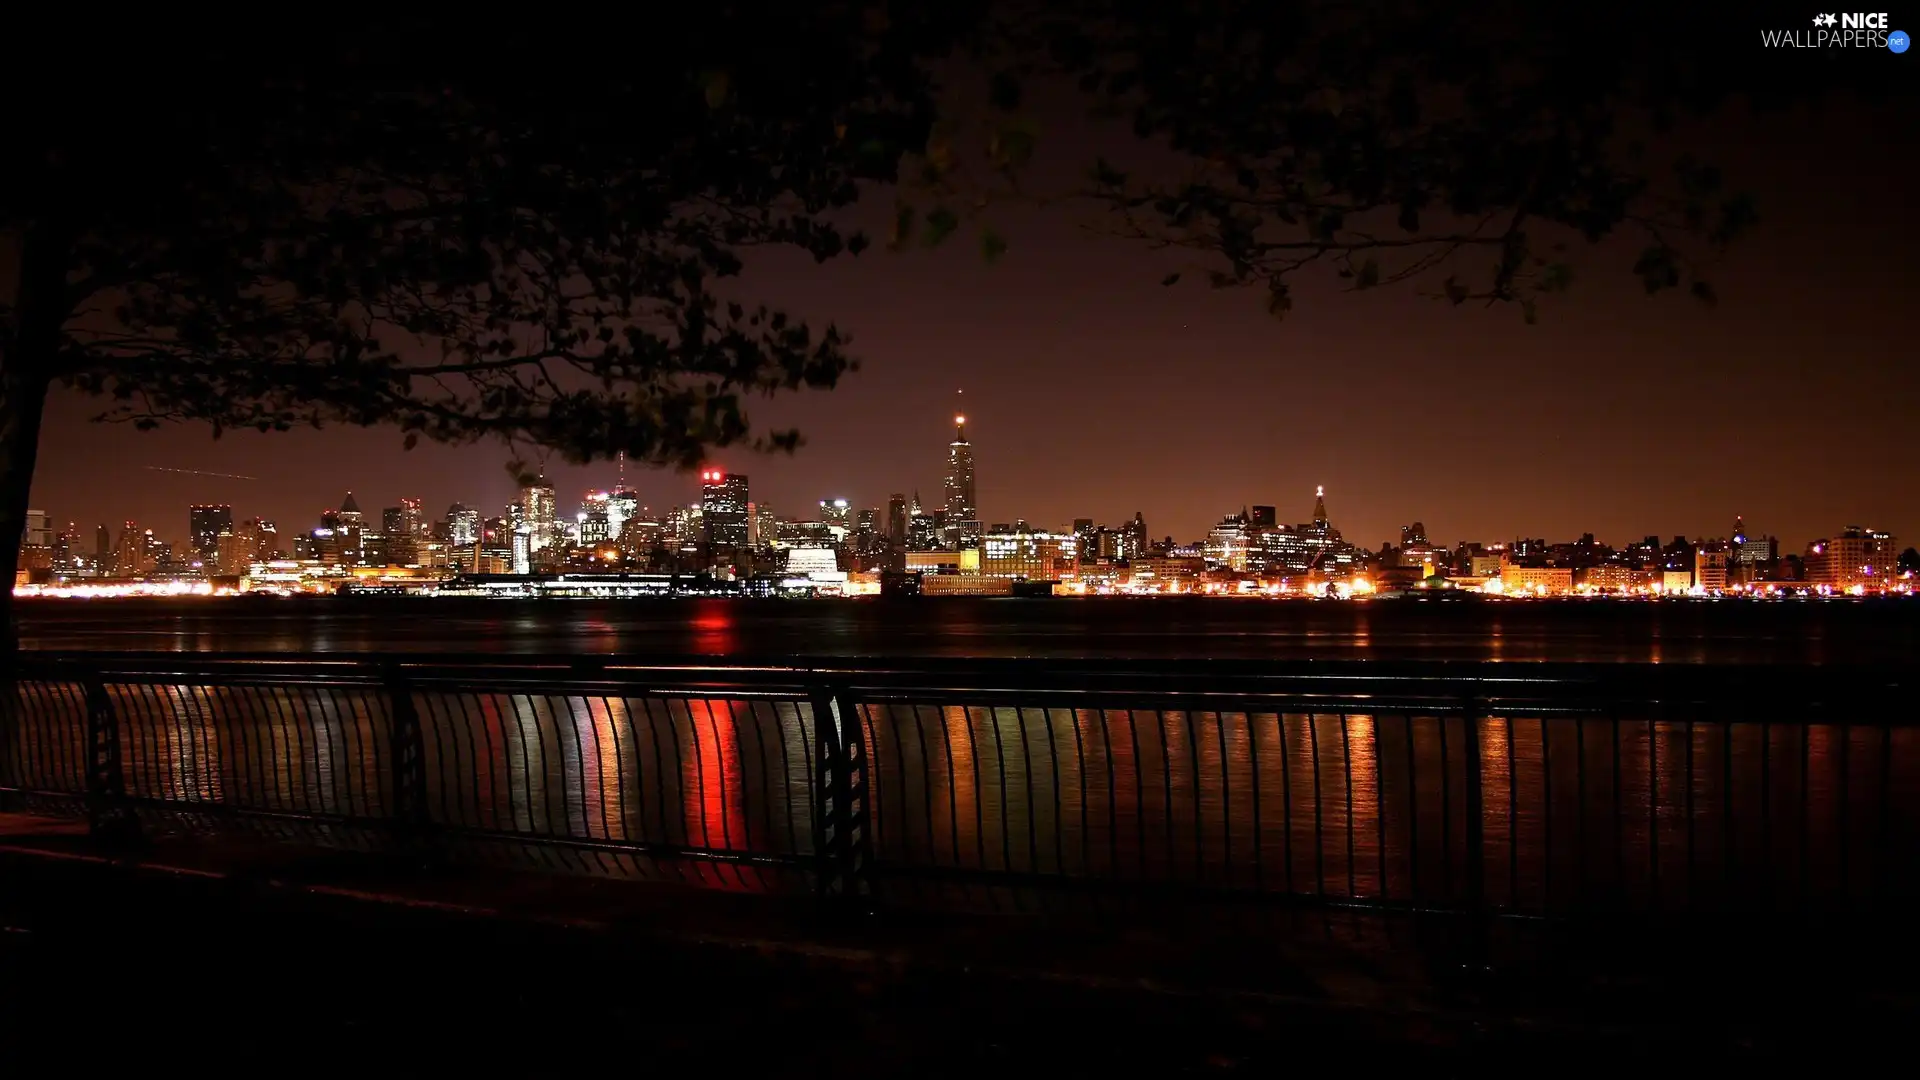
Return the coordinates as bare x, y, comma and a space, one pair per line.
1824, 20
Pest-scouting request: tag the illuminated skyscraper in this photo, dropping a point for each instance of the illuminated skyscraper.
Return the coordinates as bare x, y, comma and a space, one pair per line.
723, 509
463, 526
622, 505
204, 526
537, 514
348, 525
963, 507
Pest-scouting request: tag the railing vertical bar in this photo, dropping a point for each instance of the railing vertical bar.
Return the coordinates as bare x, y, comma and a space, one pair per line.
1729, 840
1190, 721
1059, 821
1766, 806
1619, 811
979, 792
1140, 796
1259, 826
1843, 809
108, 815
600, 797
1513, 817
1687, 779
1806, 804
1026, 776
1584, 868
1319, 829
1113, 795
1346, 769
1883, 827
498, 764
1080, 784
1546, 813
760, 756
992, 713
1166, 785
786, 771
700, 771
1653, 810
1446, 811
1413, 809
1474, 811
1226, 796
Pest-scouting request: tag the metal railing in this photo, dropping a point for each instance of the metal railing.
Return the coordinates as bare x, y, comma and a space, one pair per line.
1452, 787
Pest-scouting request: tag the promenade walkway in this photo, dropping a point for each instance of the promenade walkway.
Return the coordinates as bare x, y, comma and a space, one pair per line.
196, 945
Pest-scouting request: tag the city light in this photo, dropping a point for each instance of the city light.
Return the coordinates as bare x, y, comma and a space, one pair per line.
726, 543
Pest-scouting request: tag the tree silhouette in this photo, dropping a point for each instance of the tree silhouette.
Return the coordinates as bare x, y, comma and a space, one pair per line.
371, 230
1478, 148
385, 228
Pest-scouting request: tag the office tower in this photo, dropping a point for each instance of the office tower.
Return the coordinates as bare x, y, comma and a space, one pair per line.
897, 520
723, 509
622, 505
102, 546
835, 514
1135, 542
537, 514
463, 526
348, 526
1265, 517
205, 523
523, 549
962, 506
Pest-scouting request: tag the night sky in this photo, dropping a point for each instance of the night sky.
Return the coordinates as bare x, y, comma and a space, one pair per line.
1092, 391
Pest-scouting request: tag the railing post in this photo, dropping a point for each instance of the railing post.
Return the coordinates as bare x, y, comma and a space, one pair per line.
1476, 837
841, 840
109, 817
407, 751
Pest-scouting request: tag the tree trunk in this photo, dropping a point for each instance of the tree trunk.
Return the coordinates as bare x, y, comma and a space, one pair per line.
29, 350
23, 398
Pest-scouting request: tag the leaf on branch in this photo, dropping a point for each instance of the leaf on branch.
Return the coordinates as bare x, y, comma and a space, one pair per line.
1279, 298
903, 217
1171, 279
992, 245
1456, 292
412, 440
1704, 293
1369, 275
1529, 312
1012, 144
941, 223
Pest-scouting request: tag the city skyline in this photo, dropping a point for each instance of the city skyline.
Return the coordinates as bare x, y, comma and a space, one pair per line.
1187, 402
1092, 390
727, 490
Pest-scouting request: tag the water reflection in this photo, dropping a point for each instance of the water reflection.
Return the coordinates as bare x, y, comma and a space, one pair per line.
1525, 811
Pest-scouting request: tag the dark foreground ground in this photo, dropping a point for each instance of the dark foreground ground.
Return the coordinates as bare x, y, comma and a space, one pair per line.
257, 959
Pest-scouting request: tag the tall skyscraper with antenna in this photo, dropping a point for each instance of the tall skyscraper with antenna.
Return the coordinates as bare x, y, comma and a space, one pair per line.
963, 507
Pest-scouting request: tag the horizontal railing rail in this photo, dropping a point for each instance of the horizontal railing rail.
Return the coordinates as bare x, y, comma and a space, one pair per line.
1517, 788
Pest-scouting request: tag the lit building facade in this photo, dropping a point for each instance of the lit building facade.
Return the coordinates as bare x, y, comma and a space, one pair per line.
537, 509
1858, 558
723, 509
1026, 553
963, 504
205, 523
1710, 568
